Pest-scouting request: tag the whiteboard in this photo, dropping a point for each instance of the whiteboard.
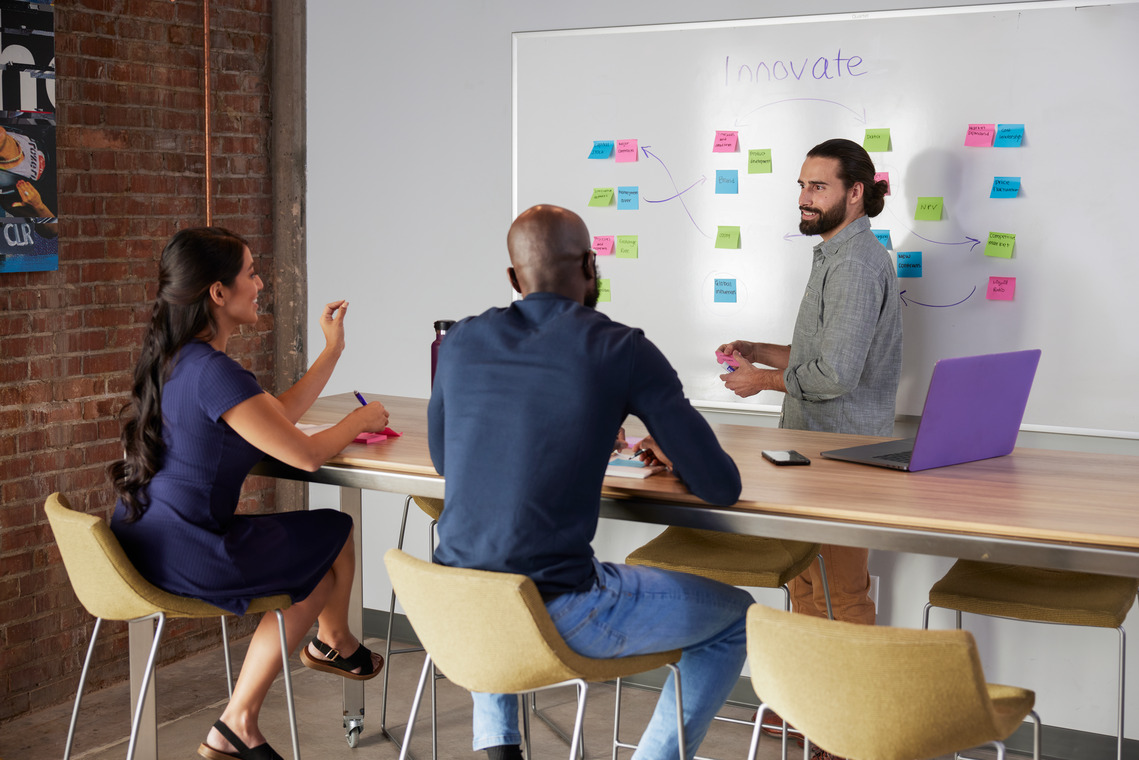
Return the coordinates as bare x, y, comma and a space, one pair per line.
1066, 72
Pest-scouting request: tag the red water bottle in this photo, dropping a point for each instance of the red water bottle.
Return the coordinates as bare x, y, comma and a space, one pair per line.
441, 328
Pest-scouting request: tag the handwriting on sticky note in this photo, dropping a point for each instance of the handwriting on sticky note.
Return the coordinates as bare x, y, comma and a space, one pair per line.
1009, 136
728, 236
980, 135
1000, 244
759, 161
628, 198
1001, 289
883, 177
604, 294
725, 142
929, 209
626, 151
601, 149
876, 140
1005, 187
602, 196
883, 238
627, 247
909, 263
603, 245
725, 290
727, 182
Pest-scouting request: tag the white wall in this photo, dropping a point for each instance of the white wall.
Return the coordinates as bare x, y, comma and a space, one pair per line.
409, 199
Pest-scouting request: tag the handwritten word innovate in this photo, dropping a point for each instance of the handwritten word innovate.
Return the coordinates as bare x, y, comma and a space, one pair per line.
822, 67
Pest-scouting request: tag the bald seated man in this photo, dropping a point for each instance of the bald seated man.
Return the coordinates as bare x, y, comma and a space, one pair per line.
526, 405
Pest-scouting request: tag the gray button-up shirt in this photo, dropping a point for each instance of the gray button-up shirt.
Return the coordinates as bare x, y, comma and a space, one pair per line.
846, 351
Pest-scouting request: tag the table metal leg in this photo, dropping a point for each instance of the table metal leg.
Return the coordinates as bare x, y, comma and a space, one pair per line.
351, 501
141, 637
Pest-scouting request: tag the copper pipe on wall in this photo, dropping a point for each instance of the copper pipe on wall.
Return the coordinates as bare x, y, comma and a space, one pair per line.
208, 96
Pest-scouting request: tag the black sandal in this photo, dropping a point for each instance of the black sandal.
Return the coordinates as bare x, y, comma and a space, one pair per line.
339, 665
260, 752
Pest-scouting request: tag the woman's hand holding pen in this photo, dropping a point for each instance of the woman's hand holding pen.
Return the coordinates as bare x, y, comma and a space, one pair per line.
374, 413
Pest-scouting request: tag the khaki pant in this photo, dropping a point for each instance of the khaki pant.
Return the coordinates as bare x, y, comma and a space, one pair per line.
849, 580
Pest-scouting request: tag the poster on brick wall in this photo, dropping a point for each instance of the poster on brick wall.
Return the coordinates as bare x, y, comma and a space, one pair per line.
29, 200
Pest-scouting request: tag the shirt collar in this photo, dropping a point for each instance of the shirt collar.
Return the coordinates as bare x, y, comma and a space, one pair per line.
828, 247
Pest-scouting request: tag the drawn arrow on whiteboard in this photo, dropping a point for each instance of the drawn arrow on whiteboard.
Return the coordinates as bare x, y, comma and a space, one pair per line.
859, 117
700, 181
679, 193
972, 242
908, 301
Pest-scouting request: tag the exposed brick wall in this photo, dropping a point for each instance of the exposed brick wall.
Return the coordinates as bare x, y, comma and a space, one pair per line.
131, 172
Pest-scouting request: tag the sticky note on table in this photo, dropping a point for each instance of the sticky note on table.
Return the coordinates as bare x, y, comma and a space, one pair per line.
725, 291
1001, 289
1009, 136
980, 135
603, 245
883, 177
604, 295
929, 209
909, 263
725, 142
1000, 244
727, 182
883, 238
728, 236
876, 140
627, 247
759, 161
602, 196
626, 151
1005, 187
628, 198
601, 149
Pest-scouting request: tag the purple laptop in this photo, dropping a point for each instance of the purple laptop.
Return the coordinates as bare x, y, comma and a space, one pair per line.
973, 410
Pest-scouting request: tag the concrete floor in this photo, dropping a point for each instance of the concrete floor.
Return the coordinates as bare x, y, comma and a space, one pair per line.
191, 695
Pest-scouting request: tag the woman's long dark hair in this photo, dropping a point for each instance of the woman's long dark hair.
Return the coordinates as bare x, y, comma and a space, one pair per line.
192, 261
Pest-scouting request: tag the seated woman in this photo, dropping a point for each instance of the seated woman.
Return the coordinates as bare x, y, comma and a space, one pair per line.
199, 424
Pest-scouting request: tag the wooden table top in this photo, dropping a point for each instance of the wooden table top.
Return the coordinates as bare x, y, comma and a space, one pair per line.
1035, 494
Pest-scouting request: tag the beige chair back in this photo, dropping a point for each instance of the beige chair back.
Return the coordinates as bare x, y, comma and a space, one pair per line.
863, 691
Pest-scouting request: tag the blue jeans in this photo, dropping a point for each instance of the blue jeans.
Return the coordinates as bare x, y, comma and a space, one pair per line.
637, 610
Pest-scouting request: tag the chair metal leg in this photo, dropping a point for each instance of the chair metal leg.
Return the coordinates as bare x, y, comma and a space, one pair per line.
79, 693
826, 587
578, 723
225, 653
414, 707
679, 710
542, 716
1122, 692
148, 675
288, 685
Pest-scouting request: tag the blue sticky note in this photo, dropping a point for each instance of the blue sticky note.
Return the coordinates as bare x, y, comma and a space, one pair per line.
883, 238
909, 263
727, 181
601, 149
725, 291
1009, 136
628, 198
1005, 187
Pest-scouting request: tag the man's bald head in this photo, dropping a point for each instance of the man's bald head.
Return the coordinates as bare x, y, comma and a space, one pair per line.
550, 252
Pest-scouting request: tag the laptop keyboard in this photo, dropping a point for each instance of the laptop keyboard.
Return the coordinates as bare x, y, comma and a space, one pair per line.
901, 457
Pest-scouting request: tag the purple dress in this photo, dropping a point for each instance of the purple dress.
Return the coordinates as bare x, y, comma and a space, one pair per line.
189, 541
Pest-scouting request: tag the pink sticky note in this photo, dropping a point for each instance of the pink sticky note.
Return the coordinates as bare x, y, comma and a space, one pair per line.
883, 176
980, 135
1001, 289
603, 245
369, 438
626, 151
725, 142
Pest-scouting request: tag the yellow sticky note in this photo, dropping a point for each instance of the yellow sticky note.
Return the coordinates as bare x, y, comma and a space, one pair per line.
1000, 244
929, 209
728, 237
604, 294
602, 196
759, 161
876, 140
627, 247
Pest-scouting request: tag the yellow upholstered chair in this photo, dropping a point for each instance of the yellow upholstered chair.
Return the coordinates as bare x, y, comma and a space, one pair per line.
110, 588
490, 632
887, 693
433, 508
1042, 596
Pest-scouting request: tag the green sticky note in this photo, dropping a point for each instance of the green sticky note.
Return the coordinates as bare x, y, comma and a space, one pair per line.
728, 237
627, 246
602, 196
929, 209
1000, 244
876, 140
604, 295
759, 161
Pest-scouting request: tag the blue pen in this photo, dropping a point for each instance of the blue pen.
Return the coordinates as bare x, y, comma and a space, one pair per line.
360, 398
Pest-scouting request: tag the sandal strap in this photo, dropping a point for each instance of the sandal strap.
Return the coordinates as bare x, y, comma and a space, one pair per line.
361, 658
260, 752
231, 737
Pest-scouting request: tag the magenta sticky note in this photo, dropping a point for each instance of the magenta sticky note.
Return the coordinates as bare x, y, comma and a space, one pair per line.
726, 142
980, 135
369, 438
1001, 289
603, 245
626, 151
884, 177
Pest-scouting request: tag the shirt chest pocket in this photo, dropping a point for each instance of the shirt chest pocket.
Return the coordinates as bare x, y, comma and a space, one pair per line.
810, 317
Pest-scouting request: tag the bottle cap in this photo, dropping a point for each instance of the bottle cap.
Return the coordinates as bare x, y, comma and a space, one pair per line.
443, 325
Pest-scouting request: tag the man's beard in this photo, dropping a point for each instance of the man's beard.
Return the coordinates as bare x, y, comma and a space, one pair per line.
593, 296
826, 220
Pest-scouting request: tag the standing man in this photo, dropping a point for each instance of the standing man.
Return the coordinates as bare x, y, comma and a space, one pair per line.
526, 405
841, 371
